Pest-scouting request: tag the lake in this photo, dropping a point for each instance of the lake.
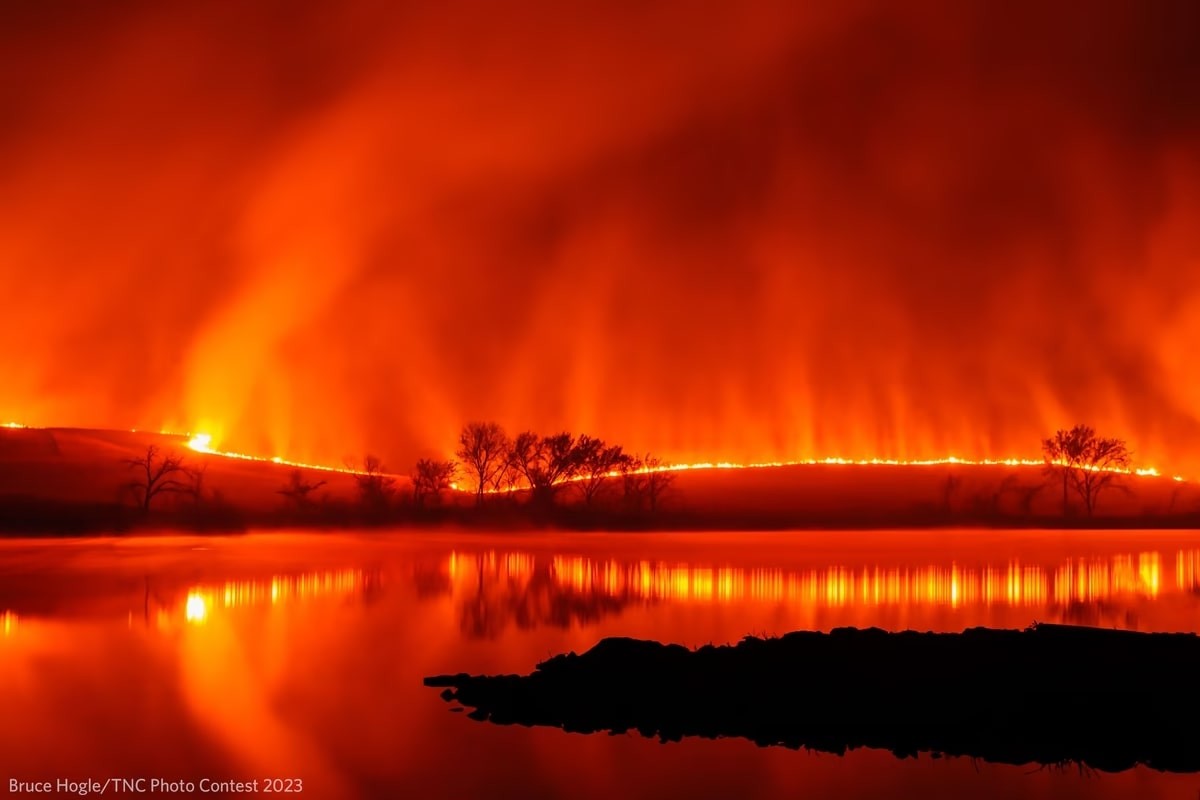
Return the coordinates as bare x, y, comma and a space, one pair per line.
301, 656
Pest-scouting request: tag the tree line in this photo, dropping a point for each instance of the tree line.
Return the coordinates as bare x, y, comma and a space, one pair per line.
548, 470
543, 471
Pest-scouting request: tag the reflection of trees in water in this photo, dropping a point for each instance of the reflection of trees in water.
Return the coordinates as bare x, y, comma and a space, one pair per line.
431, 580
492, 590
529, 601
1096, 614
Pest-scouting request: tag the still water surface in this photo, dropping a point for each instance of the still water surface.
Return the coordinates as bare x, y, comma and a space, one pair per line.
301, 656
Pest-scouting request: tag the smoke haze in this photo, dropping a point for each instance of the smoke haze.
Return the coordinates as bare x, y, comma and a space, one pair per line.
744, 231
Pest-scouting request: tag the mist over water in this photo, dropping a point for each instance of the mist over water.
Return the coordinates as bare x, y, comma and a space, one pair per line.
745, 233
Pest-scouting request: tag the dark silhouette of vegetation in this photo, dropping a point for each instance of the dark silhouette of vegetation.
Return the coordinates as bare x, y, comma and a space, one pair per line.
597, 463
1025, 493
194, 485
483, 449
949, 488
157, 473
430, 478
869, 688
298, 488
545, 462
645, 481
1085, 462
375, 486
582, 482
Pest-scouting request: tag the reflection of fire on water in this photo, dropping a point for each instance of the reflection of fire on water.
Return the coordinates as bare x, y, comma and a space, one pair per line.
203, 601
8, 622
1084, 580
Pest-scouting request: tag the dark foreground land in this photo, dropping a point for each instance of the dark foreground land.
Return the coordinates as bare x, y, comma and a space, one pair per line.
1050, 695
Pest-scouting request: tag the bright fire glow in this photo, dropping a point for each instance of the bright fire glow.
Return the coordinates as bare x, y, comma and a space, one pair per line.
1011, 584
196, 608
202, 443
8, 622
203, 601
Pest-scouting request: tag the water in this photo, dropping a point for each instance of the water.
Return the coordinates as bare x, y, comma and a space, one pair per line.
301, 656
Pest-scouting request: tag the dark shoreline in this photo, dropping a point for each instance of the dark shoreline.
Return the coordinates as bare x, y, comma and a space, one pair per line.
48, 519
1052, 695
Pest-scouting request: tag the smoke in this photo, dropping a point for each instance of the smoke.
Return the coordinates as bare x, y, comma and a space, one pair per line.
747, 232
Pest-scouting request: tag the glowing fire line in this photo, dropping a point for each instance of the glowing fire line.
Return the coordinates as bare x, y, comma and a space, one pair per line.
202, 443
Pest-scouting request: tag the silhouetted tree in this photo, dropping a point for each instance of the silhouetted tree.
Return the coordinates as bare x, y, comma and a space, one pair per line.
375, 487
298, 488
483, 449
545, 462
597, 462
1025, 493
431, 478
645, 481
1085, 462
949, 488
158, 473
194, 485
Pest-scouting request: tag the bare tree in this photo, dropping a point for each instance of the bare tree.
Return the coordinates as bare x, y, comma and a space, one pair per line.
375, 486
658, 480
645, 481
158, 473
194, 486
298, 488
545, 462
597, 462
431, 478
949, 488
483, 449
1085, 462
1025, 493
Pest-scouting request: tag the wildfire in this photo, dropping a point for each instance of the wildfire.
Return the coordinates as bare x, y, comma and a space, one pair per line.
1145, 472
203, 443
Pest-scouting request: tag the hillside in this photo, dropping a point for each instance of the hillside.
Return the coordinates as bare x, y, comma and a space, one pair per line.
78, 475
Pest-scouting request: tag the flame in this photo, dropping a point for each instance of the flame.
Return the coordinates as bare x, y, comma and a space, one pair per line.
202, 443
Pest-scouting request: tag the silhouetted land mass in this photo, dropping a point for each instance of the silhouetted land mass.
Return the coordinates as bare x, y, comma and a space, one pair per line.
1050, 695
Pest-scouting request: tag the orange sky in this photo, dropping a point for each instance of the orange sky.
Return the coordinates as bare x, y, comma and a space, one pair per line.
755, 231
